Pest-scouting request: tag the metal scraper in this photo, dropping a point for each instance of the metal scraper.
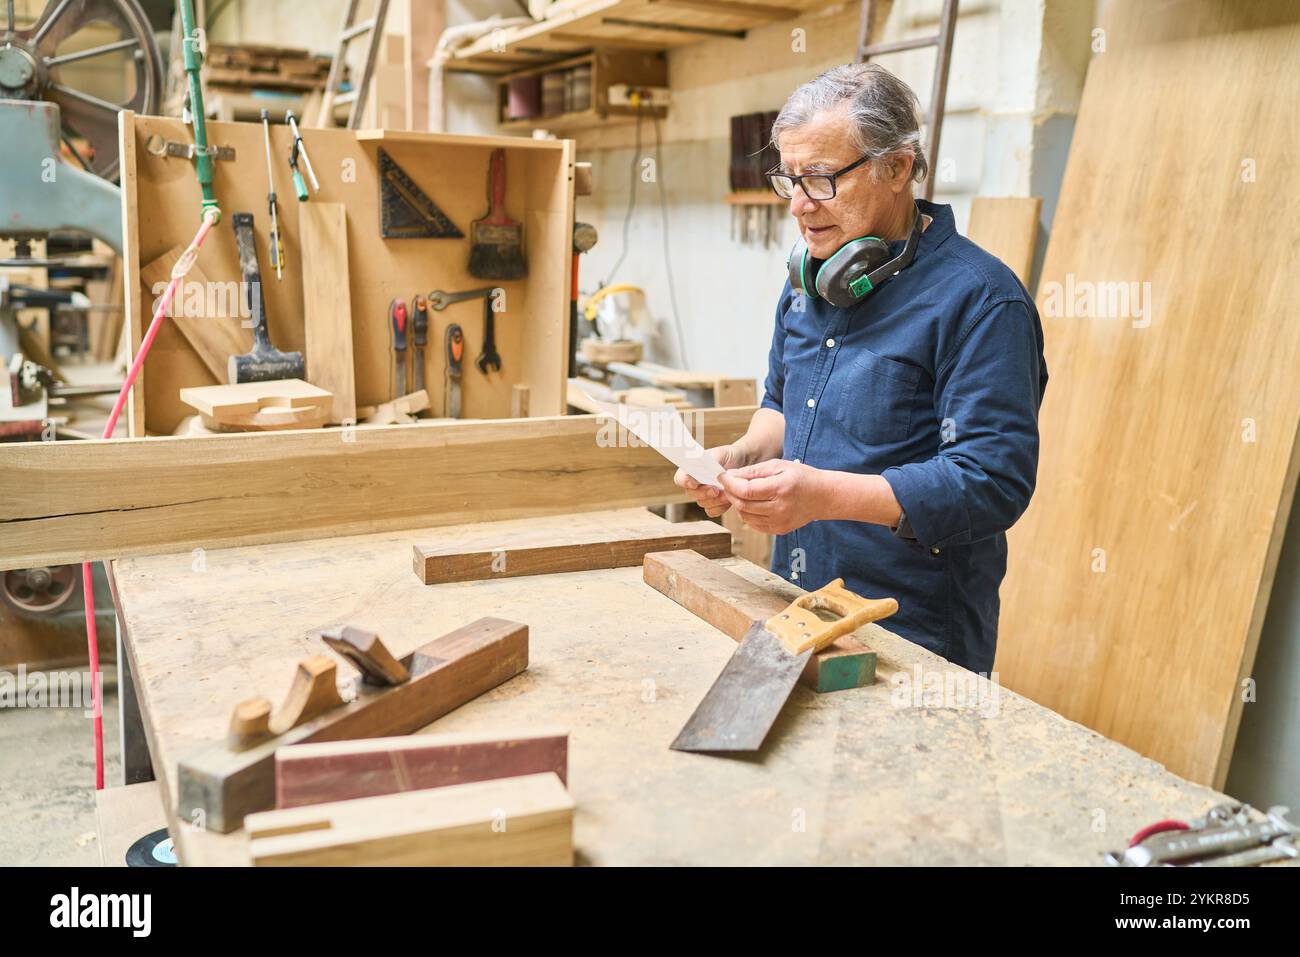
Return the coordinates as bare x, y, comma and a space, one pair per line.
743, 703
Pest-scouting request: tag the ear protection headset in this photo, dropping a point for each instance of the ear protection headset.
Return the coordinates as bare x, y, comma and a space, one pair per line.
853, 271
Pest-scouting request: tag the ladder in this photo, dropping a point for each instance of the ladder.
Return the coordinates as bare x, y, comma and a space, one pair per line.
356, 97
873, 14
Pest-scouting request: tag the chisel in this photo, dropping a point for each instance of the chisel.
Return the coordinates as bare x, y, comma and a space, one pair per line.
455, 358
746, 698
397, 315
420, 336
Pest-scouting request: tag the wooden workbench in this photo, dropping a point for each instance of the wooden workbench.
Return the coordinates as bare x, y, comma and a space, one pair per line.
857, 777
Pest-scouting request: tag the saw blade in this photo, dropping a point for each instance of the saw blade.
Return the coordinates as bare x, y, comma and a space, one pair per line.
745, 700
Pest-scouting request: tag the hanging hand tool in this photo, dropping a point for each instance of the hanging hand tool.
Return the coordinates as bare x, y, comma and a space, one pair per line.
397, 315
455, 358
420, 328
265, 362
497, 248
405, 210
489, 357
441, 300
277, 246
744, 701
300, 149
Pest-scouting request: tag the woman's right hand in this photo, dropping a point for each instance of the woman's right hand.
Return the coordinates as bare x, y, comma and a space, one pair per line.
714, 501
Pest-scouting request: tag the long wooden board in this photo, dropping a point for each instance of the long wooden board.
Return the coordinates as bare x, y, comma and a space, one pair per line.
217, 787
519, 822
84, 501
345, 770
1007, 226
731, 604
509, 549
1139, 578
327, 305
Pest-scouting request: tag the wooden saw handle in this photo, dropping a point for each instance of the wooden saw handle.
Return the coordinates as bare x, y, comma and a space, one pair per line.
800, 628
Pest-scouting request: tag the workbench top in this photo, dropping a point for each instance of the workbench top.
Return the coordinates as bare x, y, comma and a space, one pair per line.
866, 776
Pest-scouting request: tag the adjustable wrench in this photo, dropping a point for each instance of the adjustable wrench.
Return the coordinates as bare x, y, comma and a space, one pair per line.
489, 356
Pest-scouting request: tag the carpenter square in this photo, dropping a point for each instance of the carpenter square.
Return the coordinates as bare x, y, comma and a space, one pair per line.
405, 210
744, 701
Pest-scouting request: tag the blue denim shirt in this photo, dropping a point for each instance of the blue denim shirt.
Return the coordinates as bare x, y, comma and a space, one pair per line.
933, 381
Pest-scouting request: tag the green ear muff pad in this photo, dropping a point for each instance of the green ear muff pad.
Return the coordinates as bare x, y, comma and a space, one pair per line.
803, 270
853, 261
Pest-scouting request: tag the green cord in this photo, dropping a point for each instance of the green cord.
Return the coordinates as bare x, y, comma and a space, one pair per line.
193, 62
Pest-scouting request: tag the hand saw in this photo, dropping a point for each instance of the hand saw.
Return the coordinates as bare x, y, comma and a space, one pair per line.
743, 703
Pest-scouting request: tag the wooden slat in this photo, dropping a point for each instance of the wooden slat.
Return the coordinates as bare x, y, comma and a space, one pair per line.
83, 501
511, 549
345, 770
518, 822
218, 787
1139, 578
1007, 226
327, 305
731, 604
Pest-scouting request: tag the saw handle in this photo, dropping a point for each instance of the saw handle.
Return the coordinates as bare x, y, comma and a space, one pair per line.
801, 629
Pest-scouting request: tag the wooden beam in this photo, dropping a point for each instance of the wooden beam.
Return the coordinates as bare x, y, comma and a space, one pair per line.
507, 550
736, 8
345, 770
218, 787
65, 502
731, 604
523, 821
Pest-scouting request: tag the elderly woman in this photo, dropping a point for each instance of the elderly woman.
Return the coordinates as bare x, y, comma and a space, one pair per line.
898, 435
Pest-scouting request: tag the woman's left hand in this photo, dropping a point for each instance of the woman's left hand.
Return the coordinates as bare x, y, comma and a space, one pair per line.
776, 496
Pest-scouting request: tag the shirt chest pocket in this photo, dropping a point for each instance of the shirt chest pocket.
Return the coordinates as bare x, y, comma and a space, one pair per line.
874, 398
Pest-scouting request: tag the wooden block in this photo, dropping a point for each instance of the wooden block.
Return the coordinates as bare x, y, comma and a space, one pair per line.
252, 406
210, 322
343, 770
511, 822
219, 786
327, 305
1007, 226
729, 392
475, 553
601, 351
731, 604
519, 402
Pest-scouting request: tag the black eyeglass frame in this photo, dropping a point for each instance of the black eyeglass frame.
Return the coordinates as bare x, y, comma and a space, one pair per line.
796, 181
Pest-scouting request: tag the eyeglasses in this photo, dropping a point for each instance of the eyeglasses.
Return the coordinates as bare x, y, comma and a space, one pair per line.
816, 186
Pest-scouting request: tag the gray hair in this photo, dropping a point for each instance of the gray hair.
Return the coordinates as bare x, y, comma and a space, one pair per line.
882, 109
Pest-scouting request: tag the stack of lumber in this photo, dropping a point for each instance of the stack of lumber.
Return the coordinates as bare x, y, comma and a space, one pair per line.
245, 66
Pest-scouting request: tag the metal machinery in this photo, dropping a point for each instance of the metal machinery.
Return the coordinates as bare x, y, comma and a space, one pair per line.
64, 77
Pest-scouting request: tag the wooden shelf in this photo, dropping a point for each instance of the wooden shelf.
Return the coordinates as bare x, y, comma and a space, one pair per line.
579, 121
645, 25
755, 197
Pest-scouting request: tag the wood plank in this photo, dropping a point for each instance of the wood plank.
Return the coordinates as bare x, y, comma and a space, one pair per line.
345, 770
611, 539
511, 822
219, 786
327, 305
1139, 578
64, 502
731, 604
1007, 227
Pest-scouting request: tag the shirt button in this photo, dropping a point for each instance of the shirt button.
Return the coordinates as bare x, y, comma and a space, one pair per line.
830, 343
794, 576
796, 461
811, 403
934, 551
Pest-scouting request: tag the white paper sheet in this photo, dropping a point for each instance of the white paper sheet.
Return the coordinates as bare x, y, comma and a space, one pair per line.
662, 428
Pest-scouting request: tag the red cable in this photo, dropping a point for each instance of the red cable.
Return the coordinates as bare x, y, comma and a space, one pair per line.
182, 267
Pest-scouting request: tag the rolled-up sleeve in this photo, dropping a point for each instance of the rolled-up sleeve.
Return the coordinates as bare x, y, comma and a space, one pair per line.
987, 397
774, 385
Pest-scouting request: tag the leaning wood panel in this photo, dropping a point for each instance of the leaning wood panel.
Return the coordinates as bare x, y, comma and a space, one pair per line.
1139, 578
1007, 226
83, 501
509, 549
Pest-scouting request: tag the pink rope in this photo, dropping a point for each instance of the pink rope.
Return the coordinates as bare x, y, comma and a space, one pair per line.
179, 272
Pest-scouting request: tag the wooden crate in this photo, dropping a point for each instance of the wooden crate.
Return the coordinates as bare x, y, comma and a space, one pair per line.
161, 201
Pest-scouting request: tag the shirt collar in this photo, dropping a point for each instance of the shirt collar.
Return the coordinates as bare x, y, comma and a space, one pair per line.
942, 226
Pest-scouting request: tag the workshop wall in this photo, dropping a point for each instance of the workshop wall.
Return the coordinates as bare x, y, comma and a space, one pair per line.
1016, 76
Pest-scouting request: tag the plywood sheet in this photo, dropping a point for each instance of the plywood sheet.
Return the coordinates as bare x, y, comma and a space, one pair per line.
1139, 577
1007, 226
